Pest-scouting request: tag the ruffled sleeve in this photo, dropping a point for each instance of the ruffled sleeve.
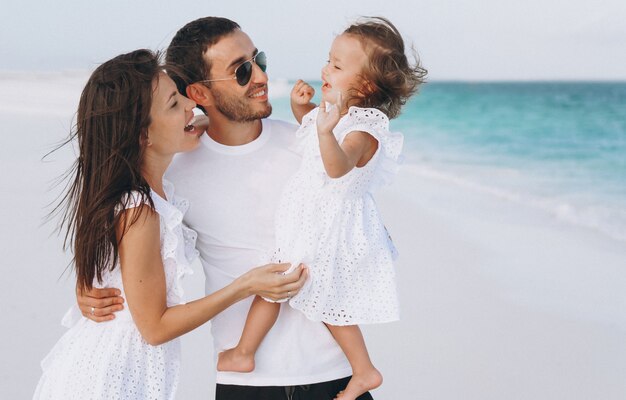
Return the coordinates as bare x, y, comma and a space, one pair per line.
376, 123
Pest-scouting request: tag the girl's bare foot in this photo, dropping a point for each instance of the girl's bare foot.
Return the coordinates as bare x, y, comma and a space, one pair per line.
361, 383
235, 360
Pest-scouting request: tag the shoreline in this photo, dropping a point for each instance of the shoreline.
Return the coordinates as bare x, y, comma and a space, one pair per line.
498, 301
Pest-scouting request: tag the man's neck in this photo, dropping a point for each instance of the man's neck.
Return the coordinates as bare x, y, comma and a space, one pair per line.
232, 133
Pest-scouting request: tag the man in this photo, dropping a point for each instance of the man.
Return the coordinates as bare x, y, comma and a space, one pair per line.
233, 182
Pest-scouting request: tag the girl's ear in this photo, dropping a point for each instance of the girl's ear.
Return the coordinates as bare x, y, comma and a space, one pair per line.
200, 94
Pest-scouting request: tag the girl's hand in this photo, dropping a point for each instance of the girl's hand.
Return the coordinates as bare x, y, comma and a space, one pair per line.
328, 117
302, 93
269, 281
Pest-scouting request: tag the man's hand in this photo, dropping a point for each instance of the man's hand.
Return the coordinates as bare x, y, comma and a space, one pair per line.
99, 304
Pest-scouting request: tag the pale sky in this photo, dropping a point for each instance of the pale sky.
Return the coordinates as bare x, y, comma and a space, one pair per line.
458, 40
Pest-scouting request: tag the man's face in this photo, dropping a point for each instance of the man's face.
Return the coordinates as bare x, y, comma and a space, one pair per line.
237, 103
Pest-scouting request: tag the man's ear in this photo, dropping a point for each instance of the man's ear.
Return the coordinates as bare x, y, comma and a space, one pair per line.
200, 94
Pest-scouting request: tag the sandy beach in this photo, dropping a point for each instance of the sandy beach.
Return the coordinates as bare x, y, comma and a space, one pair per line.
499, 300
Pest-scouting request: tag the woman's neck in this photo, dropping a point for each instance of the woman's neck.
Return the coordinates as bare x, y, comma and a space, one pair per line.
153, 169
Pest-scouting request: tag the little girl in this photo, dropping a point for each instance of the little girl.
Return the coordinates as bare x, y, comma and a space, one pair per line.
327, 217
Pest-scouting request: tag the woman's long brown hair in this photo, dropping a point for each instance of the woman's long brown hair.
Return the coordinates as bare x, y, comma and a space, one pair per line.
111, 126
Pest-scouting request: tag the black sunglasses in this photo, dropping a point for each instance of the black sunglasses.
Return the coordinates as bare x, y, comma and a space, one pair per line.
243, 73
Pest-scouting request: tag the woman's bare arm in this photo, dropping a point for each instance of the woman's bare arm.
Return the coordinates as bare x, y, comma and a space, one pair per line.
144, 284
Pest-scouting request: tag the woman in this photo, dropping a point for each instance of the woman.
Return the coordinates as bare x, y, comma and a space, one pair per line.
125, 225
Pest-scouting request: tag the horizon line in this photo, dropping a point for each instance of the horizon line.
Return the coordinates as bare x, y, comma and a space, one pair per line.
78, 71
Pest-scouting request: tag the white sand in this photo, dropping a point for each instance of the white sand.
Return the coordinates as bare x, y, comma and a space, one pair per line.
499, 301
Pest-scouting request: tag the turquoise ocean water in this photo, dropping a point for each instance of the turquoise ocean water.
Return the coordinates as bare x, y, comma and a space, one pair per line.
559, 146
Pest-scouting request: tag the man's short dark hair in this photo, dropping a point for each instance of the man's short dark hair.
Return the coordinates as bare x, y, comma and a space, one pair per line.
184, 61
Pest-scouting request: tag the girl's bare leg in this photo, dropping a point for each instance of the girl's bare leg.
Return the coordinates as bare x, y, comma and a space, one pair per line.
365, 376
261, 318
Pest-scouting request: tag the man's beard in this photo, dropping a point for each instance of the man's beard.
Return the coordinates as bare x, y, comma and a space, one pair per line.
237, 109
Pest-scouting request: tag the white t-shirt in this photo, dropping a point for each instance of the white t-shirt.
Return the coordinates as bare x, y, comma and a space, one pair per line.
233, 193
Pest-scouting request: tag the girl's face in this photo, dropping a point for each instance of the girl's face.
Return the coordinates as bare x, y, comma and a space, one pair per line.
346, 62
170, 114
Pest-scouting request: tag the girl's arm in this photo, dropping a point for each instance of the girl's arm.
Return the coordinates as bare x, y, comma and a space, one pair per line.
356, 150
144, 284
301, 96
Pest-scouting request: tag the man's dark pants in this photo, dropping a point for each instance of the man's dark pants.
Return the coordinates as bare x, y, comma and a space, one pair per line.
316, 391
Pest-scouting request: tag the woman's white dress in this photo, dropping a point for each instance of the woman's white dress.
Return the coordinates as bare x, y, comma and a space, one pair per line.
111, 360
333, 225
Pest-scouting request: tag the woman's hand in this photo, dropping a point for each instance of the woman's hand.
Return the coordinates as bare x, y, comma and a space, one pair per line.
99, 304
269, 281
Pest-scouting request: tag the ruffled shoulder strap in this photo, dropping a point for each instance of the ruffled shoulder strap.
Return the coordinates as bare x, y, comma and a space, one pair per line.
171, 215
376, 123
178, 242
190, 236
130, 200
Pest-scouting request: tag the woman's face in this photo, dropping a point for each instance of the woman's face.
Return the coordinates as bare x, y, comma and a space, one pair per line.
171, 114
